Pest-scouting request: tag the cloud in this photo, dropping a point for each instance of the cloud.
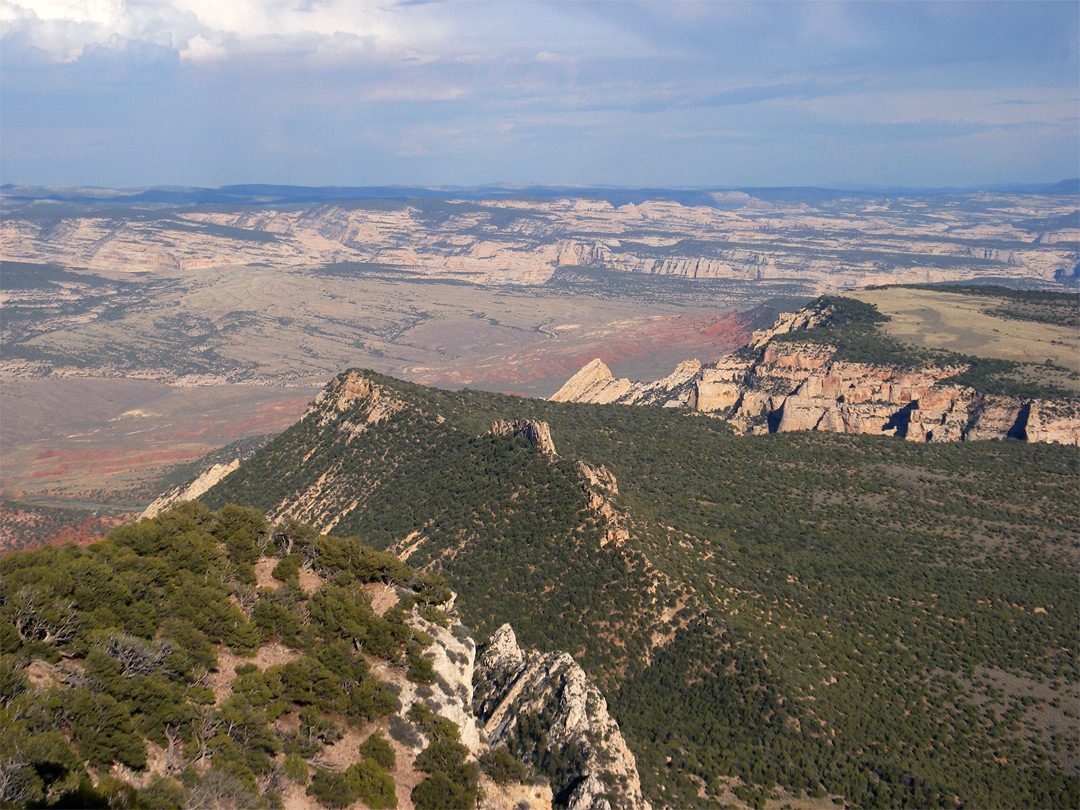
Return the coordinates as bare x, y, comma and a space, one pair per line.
63, 30
213, 29
202, 49
527, 90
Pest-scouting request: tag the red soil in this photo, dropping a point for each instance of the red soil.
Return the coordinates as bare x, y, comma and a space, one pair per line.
26, 526
676, 338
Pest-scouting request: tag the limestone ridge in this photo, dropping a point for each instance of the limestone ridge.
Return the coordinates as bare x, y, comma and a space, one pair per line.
211, 469
598, 483
189, 492
352, 404
595, 383
453, 655
792, 385
485, 698
511, 683
538, 433
806, 318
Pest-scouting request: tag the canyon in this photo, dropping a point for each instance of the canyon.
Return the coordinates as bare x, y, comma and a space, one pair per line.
827, 240
145, 309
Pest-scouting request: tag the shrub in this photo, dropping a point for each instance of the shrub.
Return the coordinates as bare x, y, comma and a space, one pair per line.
332, 789
440, 792
288, 570
163, 793
404, 732
378, 749
420, 670
295, 768
501, 766
9, 637
362, 780
374, 785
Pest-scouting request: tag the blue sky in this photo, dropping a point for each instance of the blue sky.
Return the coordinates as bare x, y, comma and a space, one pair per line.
374, 92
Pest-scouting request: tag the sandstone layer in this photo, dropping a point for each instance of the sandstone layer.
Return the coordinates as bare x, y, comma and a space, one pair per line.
191, 491
525, 241
785, 385
537, 433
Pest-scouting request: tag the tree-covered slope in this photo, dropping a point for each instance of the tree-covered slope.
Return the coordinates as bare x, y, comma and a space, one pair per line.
890, 623
148, 670
417, 469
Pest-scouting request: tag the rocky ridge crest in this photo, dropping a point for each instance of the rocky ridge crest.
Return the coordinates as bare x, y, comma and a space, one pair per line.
348, 390
191, 491
600, 489
595, 383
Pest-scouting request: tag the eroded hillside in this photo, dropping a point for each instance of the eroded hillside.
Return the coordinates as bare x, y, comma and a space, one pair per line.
790, 616
828, 240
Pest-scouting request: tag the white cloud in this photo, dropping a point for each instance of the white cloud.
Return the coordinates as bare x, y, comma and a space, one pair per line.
65, 29
285, 18
104, 13
201, 49
201, 30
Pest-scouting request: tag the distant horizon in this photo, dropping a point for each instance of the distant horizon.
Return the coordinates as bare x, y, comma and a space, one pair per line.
509, 186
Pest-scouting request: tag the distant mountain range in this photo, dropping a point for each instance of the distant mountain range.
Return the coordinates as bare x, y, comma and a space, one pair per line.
266, 194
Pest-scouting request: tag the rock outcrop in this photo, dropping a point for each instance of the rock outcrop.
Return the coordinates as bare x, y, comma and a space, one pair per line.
453, 656
784, 385
1049, 422
348, 390
600, 488
190, 492
786, 322
511, 683
595, 383
486, 698
537, 433
797, 386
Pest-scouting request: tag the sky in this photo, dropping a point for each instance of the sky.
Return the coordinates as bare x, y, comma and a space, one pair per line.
666, 94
